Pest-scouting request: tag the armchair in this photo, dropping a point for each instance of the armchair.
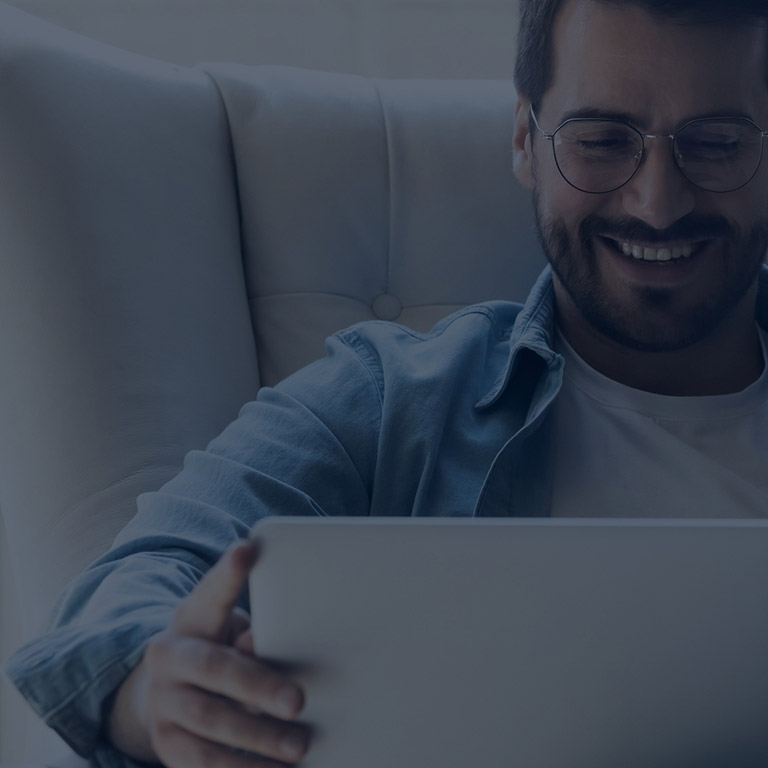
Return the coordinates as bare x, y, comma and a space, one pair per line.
174, 238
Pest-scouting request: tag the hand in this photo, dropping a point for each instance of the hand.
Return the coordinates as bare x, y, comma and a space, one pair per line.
200, 697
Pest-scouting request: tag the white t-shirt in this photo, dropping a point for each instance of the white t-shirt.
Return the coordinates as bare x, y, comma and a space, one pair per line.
622, 452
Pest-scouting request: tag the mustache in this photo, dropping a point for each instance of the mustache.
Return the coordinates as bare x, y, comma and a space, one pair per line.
691, 227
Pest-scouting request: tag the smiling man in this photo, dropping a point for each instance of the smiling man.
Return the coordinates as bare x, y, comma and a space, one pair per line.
639, 131
644, 153
632, 383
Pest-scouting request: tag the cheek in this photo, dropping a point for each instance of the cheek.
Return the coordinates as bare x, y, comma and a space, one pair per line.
746, 208
560, 202
747, 205
761, 201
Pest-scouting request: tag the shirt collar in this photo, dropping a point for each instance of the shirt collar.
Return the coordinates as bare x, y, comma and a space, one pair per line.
534, 329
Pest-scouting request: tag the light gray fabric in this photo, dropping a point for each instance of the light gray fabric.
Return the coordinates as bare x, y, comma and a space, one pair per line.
707, 454
353, 188
162, 229
124, 326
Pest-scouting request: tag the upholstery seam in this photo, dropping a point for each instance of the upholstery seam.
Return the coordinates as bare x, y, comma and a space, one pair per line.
387, 145
238, 198
501, 332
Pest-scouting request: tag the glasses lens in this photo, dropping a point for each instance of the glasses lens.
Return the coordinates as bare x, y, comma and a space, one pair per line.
597, 155
719, 155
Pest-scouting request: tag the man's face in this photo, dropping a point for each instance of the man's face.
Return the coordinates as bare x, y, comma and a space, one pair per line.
661, 74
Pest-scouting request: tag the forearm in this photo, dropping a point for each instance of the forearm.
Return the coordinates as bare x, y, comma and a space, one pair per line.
279, 456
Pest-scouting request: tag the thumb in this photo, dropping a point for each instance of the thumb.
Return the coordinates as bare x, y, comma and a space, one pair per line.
207, 610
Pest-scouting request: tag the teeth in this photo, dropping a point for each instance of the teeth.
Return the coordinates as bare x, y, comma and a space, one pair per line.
654, 254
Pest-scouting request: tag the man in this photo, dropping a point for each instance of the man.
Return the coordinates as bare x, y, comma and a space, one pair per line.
632, 382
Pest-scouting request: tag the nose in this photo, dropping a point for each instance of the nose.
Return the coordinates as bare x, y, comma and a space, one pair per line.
658, 193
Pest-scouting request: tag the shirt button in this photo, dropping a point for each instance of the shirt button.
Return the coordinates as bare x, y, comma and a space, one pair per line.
386, 306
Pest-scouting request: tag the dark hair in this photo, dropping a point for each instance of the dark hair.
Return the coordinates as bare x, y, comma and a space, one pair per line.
534, 62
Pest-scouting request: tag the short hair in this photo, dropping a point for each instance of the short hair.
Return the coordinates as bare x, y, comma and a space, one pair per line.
534, 62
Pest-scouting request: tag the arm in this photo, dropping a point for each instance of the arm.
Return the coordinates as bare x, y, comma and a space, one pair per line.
306, 447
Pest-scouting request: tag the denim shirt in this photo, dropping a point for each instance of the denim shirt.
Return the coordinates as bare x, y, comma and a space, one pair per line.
390, 422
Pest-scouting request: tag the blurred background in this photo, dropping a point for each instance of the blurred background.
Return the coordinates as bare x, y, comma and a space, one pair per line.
381, 38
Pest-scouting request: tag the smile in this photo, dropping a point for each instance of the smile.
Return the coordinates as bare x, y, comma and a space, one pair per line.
665, 253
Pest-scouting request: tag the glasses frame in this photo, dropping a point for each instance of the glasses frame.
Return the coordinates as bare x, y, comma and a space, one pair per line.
643, 136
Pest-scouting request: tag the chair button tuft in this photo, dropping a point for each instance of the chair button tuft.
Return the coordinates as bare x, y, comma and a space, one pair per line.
386, 306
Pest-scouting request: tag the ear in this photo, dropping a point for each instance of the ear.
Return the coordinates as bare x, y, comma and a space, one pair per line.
523, 158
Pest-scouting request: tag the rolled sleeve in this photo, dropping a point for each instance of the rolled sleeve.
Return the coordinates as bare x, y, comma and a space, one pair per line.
292, 451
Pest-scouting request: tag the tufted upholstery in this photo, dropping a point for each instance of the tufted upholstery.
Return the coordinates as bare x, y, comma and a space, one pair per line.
371, 199
173, 238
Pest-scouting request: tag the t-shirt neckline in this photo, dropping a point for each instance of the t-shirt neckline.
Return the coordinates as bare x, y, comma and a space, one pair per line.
666, 407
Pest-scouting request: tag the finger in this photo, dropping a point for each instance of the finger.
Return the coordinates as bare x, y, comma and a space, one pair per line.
241, 619
228, 672
178, 748
239, 623
218, 720
206, 611
244, 642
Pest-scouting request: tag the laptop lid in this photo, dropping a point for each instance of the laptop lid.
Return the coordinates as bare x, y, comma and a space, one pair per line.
449, 643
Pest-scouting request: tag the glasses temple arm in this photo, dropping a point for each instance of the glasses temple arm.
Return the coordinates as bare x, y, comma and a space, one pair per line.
548, 136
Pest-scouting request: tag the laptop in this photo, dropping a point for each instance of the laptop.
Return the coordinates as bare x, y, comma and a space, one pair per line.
520, 643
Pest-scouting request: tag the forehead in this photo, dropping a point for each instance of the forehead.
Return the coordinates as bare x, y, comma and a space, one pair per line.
621, 58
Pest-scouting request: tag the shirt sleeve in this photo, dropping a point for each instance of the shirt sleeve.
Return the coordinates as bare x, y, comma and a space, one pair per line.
306, 447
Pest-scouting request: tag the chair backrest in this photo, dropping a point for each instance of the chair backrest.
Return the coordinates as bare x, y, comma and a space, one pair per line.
366, 199
173, 238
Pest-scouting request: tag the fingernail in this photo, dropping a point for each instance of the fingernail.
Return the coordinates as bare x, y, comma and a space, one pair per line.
292, 746
288, 700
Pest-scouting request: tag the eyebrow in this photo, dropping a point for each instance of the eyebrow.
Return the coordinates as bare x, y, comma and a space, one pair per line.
597, 113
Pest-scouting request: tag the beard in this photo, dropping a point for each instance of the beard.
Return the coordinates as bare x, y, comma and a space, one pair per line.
654, 320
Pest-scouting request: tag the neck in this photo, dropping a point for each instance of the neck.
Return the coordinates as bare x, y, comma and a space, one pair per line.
727, 361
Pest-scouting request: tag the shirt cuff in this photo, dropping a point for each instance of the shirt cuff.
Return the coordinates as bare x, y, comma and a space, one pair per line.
67, 675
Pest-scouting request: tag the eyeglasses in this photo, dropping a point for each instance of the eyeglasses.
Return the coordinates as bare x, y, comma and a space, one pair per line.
718, 154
